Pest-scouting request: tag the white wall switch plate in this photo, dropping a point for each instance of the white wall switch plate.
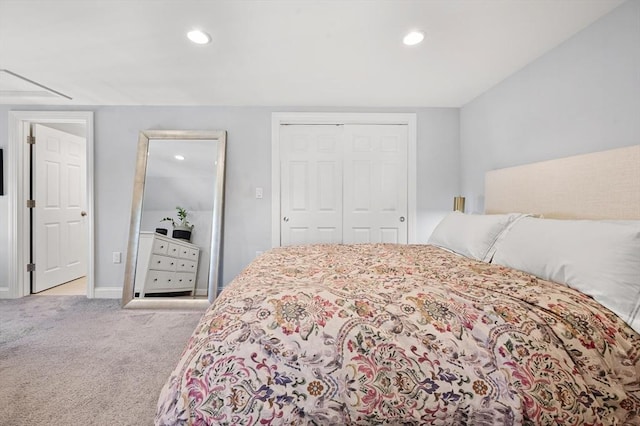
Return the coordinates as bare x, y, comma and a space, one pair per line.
117, 257
259, 192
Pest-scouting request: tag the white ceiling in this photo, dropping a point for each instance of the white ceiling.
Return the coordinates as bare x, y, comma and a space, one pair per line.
278, 52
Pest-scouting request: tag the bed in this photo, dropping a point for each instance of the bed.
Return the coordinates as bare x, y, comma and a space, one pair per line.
442, 333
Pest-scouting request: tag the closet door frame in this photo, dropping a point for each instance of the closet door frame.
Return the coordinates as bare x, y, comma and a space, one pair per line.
284, 118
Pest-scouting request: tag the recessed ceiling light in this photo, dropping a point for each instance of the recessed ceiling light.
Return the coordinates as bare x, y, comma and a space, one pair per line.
179, 157
413, 38
199, 37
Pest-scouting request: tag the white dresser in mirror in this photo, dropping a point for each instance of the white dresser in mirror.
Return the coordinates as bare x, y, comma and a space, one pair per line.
165, 265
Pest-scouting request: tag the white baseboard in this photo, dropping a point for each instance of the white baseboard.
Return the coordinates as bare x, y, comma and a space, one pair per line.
5, 293
107, 293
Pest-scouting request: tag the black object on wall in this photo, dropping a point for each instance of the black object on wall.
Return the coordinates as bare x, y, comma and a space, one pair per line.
1, 174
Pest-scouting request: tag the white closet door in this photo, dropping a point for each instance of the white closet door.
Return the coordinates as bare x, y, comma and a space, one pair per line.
311, 184
59, 228
375, 184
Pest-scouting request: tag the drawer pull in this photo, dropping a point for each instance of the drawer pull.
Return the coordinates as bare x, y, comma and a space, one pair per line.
155, 279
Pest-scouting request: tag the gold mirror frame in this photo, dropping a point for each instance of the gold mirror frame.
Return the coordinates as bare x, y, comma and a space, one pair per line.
128, 300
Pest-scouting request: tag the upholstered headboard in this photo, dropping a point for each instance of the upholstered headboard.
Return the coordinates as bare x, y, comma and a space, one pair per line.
601, 185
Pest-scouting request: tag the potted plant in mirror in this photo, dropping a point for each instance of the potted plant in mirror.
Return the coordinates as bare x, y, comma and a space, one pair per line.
181, 227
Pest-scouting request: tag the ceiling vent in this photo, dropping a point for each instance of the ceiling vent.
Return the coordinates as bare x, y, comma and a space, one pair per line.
15, 86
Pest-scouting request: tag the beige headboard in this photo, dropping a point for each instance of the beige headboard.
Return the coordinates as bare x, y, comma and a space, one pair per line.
601, 185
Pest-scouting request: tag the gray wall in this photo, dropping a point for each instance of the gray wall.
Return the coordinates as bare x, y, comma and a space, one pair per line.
583, 96
247, 223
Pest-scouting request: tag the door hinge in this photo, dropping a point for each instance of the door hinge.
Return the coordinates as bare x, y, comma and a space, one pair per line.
31, 204
31, 267
31, 140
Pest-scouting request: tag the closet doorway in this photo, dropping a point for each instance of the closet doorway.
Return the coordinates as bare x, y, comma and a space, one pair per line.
343, 178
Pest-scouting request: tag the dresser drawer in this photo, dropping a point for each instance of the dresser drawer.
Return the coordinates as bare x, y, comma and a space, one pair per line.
160, 280
185, 265
175, 249
186, 279
160, 246
189, 253
164, 263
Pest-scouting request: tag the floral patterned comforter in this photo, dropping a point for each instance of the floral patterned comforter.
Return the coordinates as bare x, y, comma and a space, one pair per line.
401, 334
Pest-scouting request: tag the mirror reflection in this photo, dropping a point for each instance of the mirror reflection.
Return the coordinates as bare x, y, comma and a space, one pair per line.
176, 219
177, 212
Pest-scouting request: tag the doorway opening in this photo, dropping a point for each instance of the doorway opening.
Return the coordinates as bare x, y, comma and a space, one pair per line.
61, 241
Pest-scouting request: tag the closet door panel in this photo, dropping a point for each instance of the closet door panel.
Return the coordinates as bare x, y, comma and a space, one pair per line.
311, 184
375, 183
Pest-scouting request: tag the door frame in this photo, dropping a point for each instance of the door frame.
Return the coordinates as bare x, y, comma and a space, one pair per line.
19, 284
280, 118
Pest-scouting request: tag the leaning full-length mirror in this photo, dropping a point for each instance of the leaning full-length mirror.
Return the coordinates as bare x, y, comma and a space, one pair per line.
173, 257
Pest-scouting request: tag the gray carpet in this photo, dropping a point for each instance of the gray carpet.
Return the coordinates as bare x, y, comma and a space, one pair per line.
69, 360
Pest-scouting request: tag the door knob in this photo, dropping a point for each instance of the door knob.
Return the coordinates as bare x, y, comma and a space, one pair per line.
401, 218
286, 219
83, 213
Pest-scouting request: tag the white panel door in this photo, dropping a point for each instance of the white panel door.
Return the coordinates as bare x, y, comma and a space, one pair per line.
59, 228
311, 184
375, 184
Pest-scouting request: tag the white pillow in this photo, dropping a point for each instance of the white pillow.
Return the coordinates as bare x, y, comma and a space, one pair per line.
599, 258
471, 235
